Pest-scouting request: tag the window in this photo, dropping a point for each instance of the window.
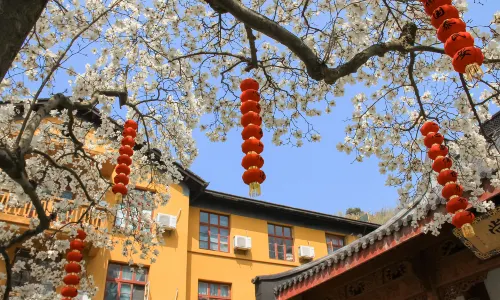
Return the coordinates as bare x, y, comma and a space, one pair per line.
126, 283
280, 242
334, 242
212, 291
127, 213
67, 195
214, 232
24, 276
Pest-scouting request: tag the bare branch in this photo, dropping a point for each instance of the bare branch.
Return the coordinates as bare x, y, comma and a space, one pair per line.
67, 169
474, 110
17, 20
253, 50
8, 270
414, 84
317, 69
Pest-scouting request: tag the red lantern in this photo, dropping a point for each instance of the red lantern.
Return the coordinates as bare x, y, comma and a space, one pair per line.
252, 131
69, 291
446, 176
252, 145
442, 13
250, 106
72, 267
437, 150
450, 27
251, 175
119, 188
254, 178
462, 217
76, 245
74, 256
431, 5
128, 141
126, 150
429, 126
251, 118
262, 177
249, 84
121, 178
455, 204
131, 124
452, 189
252, 160
71, 279
122, 169
458, 41
124, 159
433, 138
80, 234
128, 131
250, 95
468, 60
441, 163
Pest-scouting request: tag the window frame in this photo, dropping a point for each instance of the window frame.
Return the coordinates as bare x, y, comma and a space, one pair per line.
219, 227
219, 284
119, 281
275, 236
126, 212
329, 244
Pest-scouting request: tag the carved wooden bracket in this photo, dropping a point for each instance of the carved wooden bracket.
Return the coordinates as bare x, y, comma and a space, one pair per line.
456, 289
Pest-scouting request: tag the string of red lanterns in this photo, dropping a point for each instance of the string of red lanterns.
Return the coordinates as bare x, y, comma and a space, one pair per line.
124, 161
452, 191
73, 267
252, 133
458, 43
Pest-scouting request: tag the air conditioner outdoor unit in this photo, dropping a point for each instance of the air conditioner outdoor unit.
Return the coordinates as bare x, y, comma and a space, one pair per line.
306, 252
242, 242
167, 222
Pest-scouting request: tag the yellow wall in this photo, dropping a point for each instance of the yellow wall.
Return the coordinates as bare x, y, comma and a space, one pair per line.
239, 268
168, 273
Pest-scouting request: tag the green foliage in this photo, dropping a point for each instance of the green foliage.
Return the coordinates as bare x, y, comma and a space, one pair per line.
353, 211
378, 217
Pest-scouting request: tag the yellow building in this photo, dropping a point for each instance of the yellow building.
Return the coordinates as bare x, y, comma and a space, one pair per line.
203, 256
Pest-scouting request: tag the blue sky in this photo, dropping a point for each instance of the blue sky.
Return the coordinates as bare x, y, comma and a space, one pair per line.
316, 176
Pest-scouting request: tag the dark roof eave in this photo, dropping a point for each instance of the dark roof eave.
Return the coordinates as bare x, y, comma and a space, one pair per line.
292, 209
188, 173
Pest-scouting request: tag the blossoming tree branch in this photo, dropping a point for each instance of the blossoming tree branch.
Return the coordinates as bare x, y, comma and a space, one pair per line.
164, 64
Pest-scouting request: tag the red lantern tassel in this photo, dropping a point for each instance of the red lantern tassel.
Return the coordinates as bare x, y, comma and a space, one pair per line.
251, 134
452, 191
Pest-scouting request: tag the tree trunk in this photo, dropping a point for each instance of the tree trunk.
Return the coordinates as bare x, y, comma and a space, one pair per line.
17, 18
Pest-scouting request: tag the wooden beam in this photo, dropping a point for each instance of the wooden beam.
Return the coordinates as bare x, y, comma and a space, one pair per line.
424, 268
